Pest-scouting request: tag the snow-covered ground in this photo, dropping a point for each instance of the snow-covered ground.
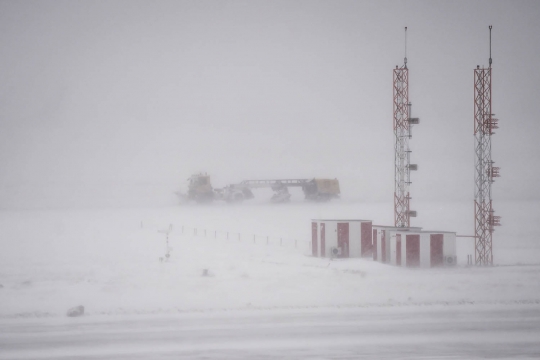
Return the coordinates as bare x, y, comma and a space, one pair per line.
256, 258
437, 332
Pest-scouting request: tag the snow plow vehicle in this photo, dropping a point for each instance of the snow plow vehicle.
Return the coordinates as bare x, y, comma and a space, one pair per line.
321, 189
201, 191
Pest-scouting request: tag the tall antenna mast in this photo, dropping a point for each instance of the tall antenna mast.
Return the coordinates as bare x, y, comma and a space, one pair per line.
490, 27
405, 60
485, 172
402, 132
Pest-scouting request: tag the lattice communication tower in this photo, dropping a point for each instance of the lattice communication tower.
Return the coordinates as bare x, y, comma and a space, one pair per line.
485, 172
402, 132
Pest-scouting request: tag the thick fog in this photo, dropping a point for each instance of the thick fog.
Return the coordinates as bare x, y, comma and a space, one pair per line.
107, 107
115, 103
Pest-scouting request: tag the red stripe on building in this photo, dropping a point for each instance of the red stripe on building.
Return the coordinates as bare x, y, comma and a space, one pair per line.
375, 244
383, 247
436, 249
412, 250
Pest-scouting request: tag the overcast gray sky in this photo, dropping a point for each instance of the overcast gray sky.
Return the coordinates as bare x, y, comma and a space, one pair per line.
118, 102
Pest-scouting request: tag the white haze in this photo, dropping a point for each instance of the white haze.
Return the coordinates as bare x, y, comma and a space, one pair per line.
107, 107
263, 296
117, 103
257, 255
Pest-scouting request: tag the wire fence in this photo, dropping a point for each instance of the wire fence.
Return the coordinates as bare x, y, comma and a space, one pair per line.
183, 230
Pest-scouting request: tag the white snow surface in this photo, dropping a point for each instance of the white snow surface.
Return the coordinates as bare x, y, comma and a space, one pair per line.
109, 261
435, 332
264, 295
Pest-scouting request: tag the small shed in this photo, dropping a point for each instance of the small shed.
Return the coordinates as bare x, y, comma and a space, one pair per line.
381, 240
422, 248
341, 238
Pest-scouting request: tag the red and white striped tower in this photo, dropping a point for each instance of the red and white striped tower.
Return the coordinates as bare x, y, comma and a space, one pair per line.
402, 131
485, 172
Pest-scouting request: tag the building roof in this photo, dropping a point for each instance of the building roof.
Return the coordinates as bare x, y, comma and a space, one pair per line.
412, 231
413, 228
347, 220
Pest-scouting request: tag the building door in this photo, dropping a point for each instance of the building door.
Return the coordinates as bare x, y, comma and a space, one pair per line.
398, 249
323, 240
374, 244
343, 238
412, 250
436, 249
366, 239
314, 238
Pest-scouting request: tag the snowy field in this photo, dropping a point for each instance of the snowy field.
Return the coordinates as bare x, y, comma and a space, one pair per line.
240, 283
437, 332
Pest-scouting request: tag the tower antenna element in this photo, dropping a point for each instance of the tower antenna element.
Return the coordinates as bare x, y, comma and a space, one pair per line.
405, 60
402, 154
485, 173
490, 61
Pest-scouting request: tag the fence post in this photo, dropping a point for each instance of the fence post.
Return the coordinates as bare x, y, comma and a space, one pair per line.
238, 236
254, 239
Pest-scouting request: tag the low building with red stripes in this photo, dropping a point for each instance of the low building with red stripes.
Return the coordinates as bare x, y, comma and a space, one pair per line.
422, 248
381, 241
410, 247
341, 238
413, 247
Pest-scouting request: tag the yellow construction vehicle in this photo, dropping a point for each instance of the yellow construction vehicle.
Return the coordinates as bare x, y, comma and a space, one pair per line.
199, 189
321, 189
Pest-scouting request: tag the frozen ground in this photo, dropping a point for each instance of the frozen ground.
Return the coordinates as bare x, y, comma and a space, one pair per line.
263, 290
437, 332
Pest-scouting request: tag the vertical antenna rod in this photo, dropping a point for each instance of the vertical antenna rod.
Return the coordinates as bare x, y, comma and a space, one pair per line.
405, 60
485, 172
490, 27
